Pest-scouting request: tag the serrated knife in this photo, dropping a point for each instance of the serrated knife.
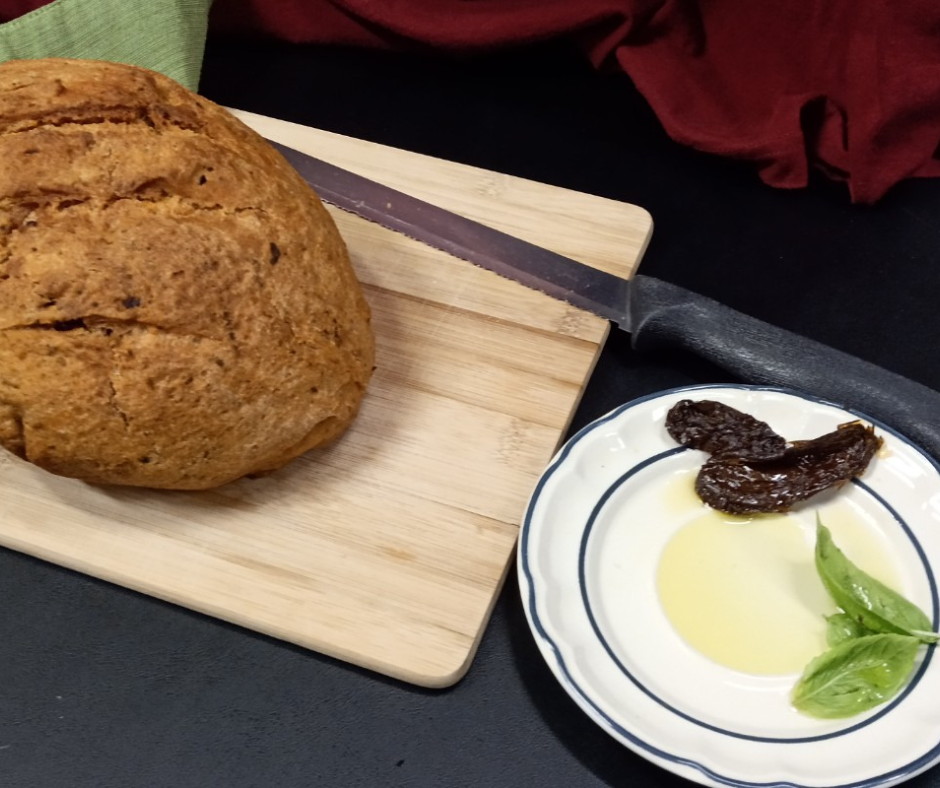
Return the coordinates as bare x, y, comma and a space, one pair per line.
654, 312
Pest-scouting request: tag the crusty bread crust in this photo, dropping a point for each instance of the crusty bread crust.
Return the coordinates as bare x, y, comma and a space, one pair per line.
177, 308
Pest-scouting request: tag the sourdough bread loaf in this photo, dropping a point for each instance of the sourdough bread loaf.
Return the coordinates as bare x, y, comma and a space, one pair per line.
177, 308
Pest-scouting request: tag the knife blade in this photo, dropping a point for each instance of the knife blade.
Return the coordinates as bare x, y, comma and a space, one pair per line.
655, 313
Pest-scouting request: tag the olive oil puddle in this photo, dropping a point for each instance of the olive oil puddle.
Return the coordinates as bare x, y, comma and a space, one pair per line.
744, 592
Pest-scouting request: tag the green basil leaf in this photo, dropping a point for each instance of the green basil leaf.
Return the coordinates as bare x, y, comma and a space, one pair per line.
871, 603
855, 676
841, 627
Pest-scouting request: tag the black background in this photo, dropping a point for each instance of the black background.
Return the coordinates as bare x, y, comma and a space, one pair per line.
100, 686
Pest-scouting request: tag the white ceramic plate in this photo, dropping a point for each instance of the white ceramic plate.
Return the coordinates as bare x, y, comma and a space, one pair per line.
593, 533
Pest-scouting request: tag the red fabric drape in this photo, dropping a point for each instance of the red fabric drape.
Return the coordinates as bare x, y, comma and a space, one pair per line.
10, 9
849, 86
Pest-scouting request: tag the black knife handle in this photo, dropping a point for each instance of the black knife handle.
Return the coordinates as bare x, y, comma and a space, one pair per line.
665, 314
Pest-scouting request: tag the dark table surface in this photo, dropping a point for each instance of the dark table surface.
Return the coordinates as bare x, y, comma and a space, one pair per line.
104, 687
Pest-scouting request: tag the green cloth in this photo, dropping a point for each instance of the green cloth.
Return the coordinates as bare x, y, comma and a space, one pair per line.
168, 36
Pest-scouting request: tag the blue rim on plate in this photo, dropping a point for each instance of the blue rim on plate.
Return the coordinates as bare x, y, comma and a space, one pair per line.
585, 598
638, 742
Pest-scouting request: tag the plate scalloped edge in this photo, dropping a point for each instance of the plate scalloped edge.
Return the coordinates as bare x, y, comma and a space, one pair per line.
547, 582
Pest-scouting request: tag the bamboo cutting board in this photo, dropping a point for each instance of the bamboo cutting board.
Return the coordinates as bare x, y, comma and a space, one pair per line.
388, 548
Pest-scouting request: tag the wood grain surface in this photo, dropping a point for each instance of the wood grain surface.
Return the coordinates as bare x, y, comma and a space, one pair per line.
387, 549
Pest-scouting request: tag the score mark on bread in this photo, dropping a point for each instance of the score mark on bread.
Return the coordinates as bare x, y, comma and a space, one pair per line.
177, 308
